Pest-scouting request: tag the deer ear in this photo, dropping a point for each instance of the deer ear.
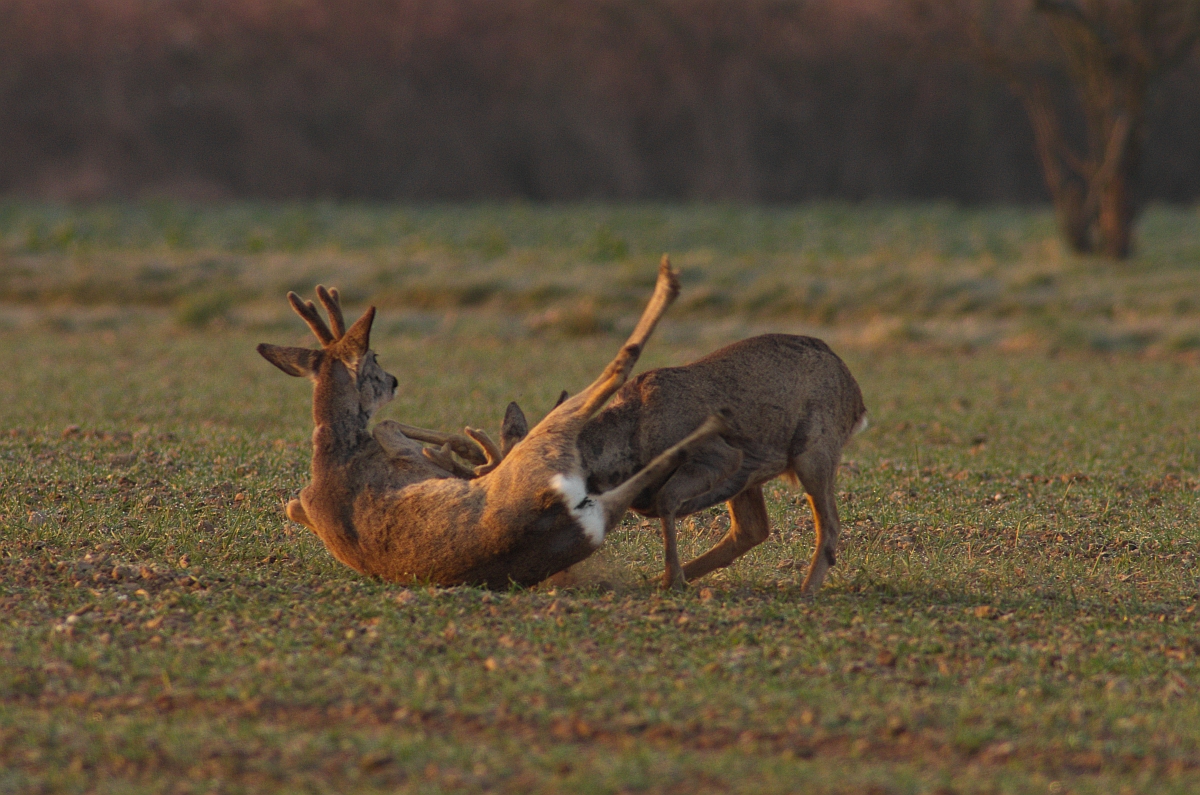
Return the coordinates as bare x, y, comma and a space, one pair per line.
300, 362
513, 429
358, 338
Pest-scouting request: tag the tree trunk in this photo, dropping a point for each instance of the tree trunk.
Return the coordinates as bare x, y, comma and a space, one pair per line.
1111, 51
1116, 204
1115, 224
1072, 219
1092, 196
1066, 191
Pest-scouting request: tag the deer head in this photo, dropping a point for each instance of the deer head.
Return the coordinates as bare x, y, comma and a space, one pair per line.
345, 359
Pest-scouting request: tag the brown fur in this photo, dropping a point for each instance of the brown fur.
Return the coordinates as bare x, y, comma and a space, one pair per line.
791, 405
382, 507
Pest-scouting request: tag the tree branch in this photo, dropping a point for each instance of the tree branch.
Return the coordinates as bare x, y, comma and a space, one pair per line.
1046, 135
1114, 152
1178, 52
1071, 12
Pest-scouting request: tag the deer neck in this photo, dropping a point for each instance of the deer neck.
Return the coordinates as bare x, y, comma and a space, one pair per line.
339, 436
608, 446
339, 420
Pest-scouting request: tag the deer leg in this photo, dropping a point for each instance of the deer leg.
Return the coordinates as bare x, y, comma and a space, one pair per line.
706, 471
673, 578
295, 512
818, 480
748, 527
583, 405
616, 501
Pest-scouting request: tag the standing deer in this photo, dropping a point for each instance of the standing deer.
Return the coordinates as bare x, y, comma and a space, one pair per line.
790, 405
382, 507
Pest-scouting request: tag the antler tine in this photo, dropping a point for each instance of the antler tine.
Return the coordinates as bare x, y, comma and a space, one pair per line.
332, 301
494, 456
308, 311
468, 449
442, 457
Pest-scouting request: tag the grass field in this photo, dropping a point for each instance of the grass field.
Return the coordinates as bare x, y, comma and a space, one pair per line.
1014, 608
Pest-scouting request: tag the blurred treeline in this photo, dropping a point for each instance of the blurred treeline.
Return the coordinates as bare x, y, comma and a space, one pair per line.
768, 100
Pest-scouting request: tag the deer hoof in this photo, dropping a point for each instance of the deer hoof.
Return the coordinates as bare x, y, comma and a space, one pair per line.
808, 590
675, 582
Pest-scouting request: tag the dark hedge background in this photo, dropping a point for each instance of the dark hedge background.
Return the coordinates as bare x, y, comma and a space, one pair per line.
758, 100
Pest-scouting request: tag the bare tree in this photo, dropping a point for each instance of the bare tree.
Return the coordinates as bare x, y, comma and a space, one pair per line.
1109, 52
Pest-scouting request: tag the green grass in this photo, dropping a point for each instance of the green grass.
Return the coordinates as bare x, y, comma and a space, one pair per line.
876, 272
1014, 608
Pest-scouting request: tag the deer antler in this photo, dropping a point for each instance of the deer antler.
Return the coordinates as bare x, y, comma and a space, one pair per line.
332, 301
494, 456
461, 445
446, 460
468, 449
308, 311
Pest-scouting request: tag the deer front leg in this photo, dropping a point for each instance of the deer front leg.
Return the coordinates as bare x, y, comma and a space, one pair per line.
748, 527
708, 467
673, 579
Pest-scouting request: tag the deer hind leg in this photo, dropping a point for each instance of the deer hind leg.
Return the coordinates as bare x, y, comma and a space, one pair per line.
295, 512
748, 527
818, 476
583, 405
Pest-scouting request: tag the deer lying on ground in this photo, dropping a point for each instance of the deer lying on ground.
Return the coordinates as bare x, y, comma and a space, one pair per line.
790, 405
382, 507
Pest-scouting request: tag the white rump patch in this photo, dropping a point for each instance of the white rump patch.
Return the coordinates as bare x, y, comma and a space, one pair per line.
584, 510
861, 425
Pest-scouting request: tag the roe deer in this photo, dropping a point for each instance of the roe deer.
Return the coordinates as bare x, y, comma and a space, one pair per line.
384, 509
790, 405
